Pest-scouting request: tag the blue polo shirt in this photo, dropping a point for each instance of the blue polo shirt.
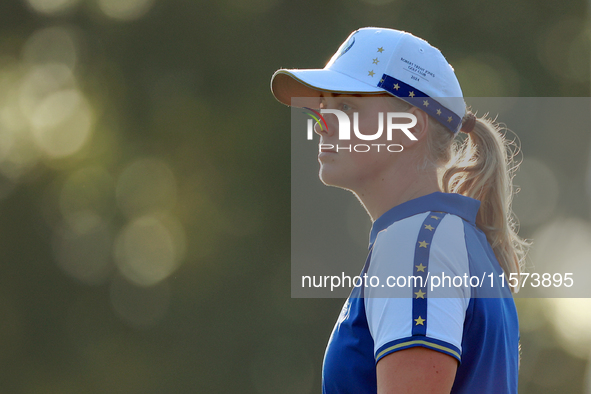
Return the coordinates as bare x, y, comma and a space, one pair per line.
475, 321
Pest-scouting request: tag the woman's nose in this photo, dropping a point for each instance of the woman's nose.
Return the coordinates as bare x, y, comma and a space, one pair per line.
324, 126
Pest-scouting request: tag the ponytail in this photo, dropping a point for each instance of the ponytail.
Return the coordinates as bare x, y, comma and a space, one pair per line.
482, 167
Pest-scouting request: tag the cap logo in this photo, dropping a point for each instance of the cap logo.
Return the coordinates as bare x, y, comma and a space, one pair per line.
346, 47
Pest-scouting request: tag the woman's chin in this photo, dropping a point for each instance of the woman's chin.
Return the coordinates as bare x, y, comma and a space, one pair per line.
332, 178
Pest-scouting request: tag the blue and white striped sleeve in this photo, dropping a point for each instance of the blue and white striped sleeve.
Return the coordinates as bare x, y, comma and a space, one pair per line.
405, 257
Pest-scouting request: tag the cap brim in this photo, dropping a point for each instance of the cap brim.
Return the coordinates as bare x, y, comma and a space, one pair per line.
286, 84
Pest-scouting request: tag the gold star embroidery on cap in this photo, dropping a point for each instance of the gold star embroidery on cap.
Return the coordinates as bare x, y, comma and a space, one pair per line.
438, 112
426, 103
396, 86
429, 227
421, 267
423, 244
420, 294
435, 217
381, 49
411, 94
376, 61
449, 119
370, 73
419, 321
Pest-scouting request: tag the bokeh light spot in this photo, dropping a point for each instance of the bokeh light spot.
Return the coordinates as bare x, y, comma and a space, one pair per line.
51, 6
53, 45
146, 250
62, 123
564, 49
40, 82
571, 317
125, 9
18, 153
561, 246
12, 121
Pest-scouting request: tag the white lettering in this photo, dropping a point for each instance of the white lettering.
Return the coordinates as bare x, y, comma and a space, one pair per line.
404, 127
370, 137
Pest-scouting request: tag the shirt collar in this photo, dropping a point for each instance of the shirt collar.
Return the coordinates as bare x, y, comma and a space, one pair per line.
456, 204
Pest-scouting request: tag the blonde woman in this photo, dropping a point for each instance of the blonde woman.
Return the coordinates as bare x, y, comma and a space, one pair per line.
438, 211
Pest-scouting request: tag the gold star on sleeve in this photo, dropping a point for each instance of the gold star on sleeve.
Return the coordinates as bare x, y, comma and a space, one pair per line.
411, 94
420, 294
429, 227
423, 244
449, 119
421, 267
381, 49
396, 86
370, 73
439, 112
426, 103
419, 321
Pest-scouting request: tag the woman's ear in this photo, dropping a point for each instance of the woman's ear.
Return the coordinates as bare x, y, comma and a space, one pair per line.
421, 128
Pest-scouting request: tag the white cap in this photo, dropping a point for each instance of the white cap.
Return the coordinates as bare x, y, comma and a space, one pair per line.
378, 60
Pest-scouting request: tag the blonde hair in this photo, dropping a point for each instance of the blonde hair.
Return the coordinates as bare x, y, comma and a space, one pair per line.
482, 167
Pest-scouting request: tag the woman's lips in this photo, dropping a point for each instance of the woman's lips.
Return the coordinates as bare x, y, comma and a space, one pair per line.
326, 148
324, 154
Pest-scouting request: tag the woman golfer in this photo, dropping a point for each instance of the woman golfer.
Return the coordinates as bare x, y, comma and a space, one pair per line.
441, 216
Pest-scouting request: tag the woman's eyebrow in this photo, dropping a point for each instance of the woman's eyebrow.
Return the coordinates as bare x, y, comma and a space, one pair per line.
331, 94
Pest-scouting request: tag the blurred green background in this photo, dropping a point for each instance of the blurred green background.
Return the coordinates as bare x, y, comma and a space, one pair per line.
145, 185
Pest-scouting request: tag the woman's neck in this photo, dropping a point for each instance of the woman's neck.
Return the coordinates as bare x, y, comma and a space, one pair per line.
396, 188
